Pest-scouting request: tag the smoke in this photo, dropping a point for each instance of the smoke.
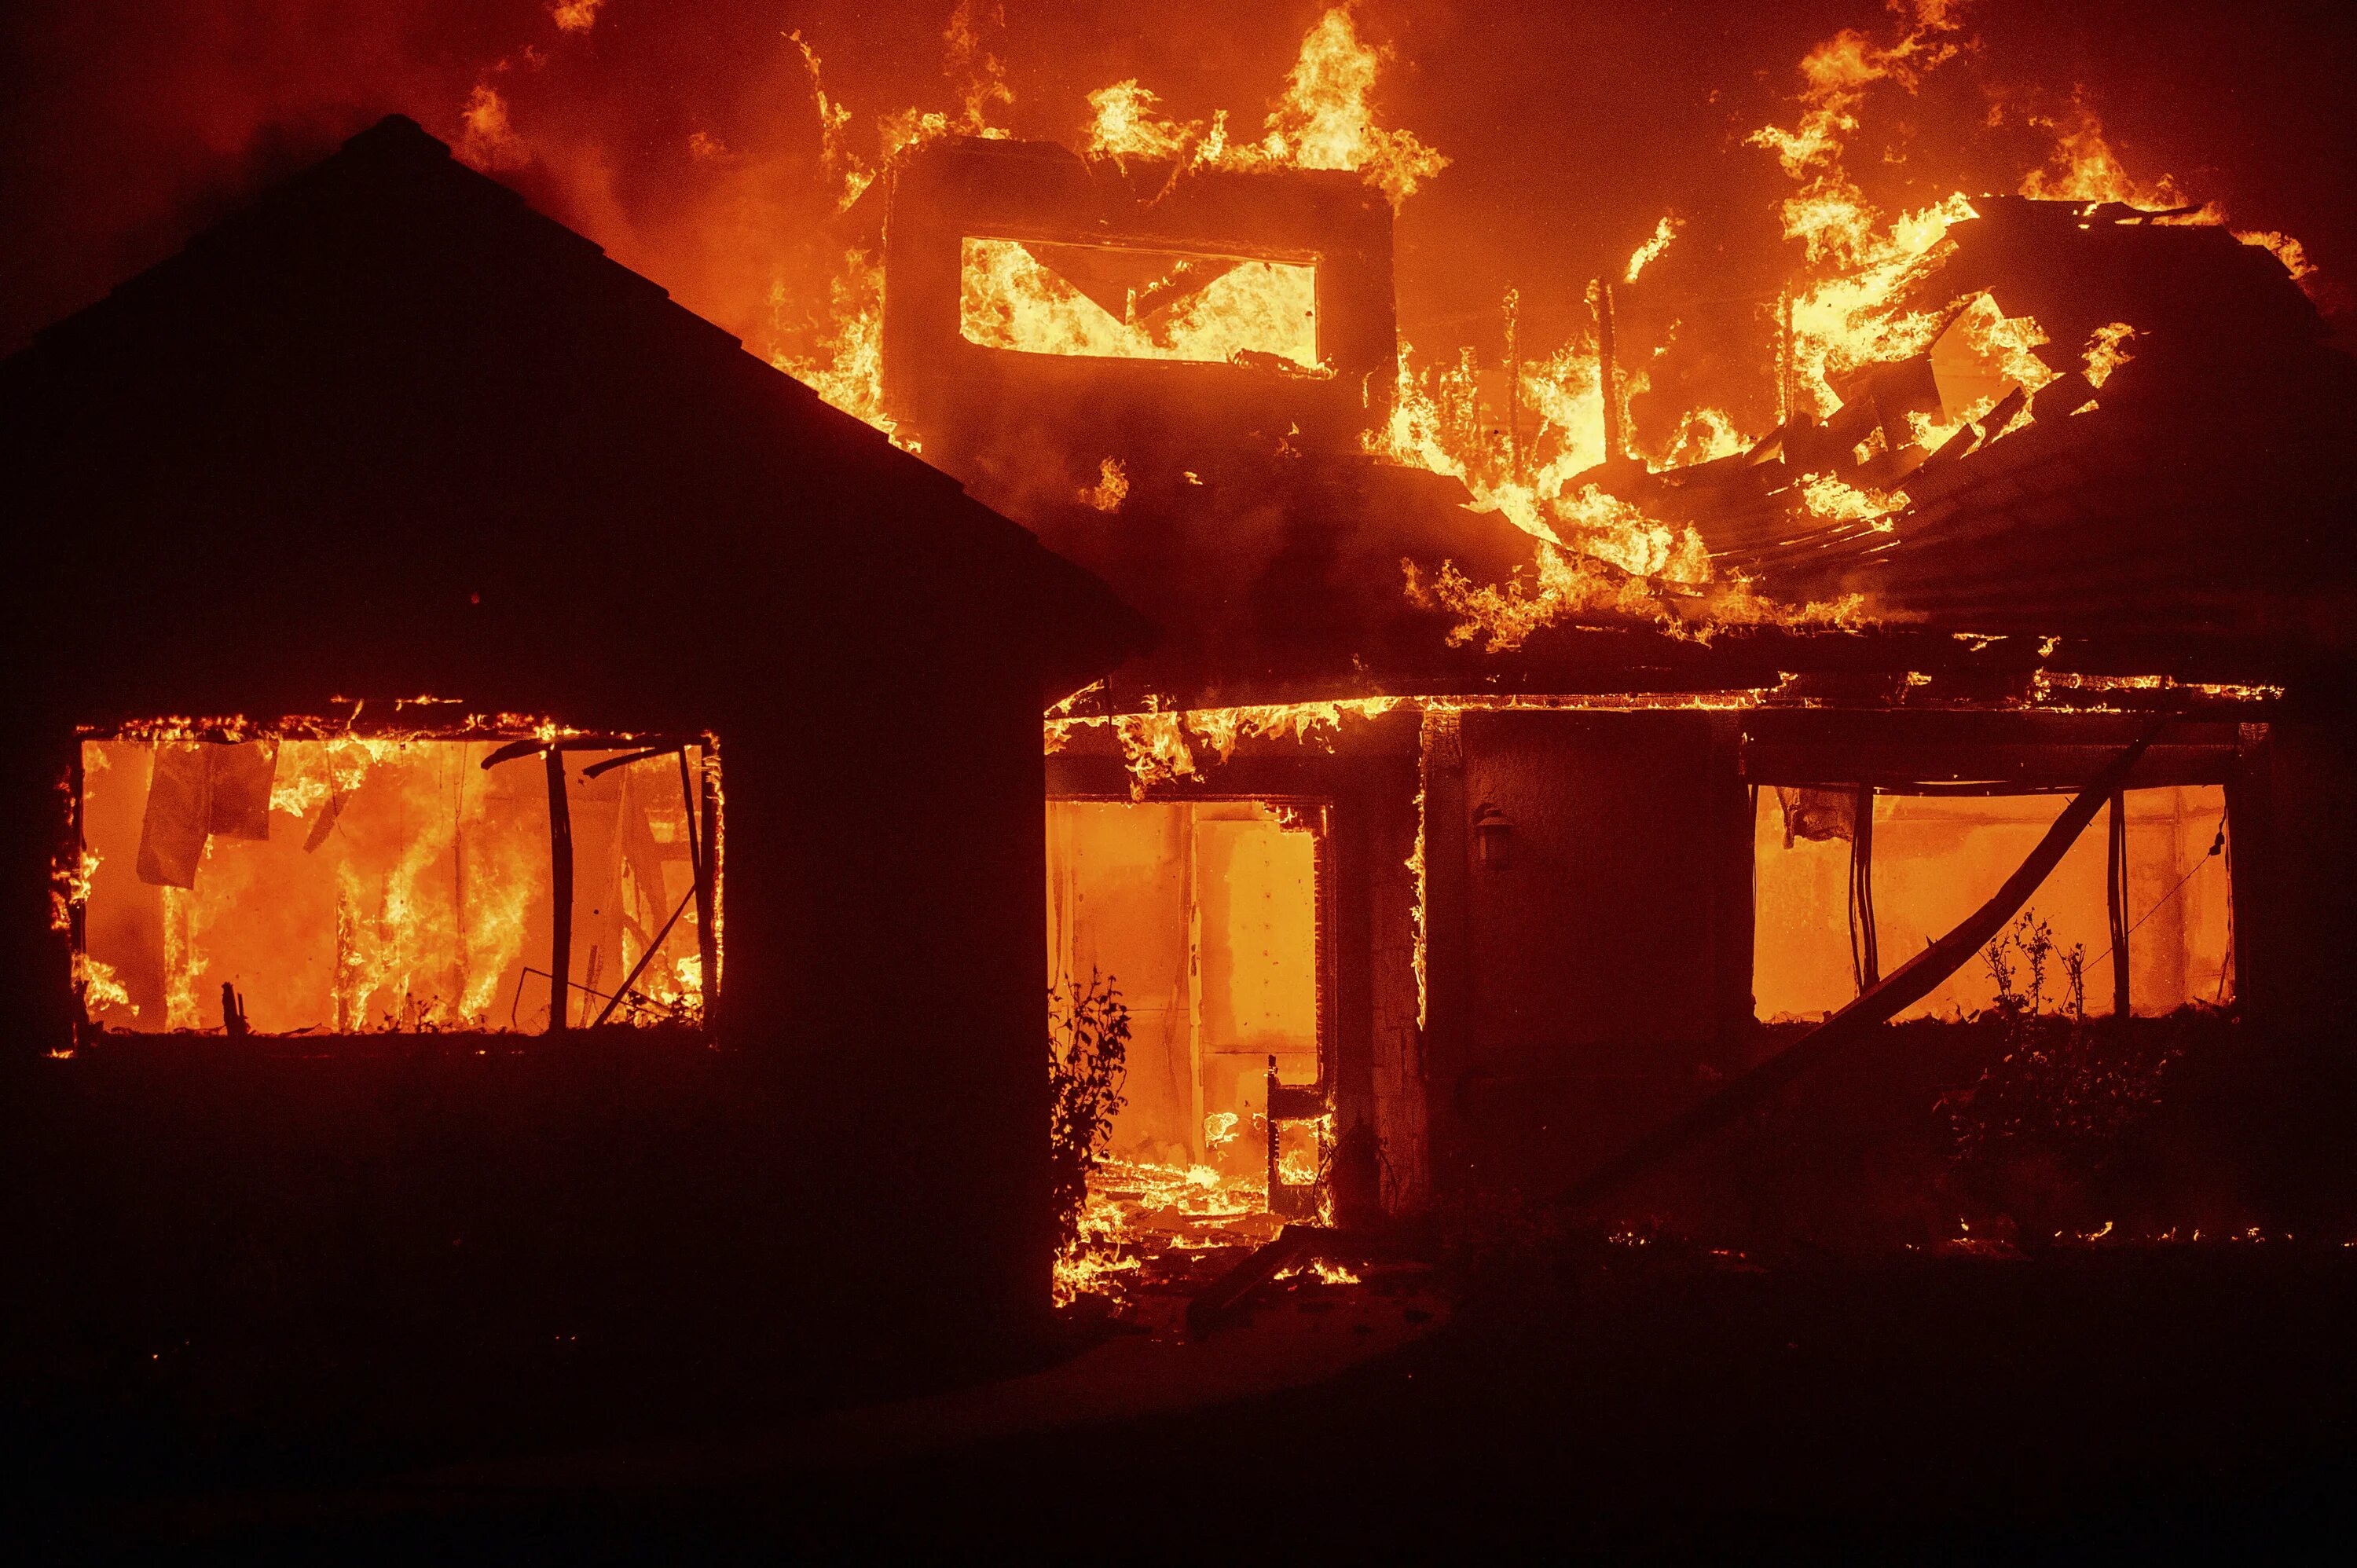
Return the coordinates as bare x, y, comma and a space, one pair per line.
687, 139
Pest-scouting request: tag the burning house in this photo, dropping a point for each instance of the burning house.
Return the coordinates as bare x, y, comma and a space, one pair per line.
1437, 853
731, 740
1502, 800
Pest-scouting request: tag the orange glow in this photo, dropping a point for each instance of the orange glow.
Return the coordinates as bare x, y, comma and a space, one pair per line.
1205, 308
1203, 915
1112, 487
1651, 251
373, 882
1524, 436
1936, 858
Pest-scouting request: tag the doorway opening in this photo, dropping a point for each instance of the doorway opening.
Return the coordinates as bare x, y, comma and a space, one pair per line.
1206, 918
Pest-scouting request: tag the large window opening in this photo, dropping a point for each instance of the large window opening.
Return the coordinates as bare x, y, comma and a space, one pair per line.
1931, 860
1205, 915
365, 885
1129, 302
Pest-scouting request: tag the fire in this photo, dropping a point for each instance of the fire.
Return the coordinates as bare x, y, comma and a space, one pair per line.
2108, 351
1527, 436
1125, 121
846, 368
2084, 167
1324, 1272
1137, 1211
1112, 487
1158, 743
1614, 559
1008, 299
378, 881
2289, 252
1651, 251
1324, 120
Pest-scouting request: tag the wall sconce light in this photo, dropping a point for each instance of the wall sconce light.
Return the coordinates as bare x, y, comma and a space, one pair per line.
1493, 836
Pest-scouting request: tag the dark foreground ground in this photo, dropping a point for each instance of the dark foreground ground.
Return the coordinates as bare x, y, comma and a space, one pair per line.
1578, 1397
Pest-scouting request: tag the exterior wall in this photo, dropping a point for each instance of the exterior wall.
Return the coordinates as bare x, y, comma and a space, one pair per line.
883, 952
867, 1147
1596, 979
2292, 810
979, 407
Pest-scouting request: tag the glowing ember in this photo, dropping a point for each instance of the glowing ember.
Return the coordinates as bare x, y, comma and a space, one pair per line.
1148, 1224
1112, 487
1651, 251
2108, 351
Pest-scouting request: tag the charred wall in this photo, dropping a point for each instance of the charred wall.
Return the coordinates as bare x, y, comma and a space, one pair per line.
1593, 970
391, 432
986, 412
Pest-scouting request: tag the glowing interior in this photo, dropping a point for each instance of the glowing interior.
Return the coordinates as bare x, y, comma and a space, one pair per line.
364, 885
1117, 302
1935, 859
1204, 915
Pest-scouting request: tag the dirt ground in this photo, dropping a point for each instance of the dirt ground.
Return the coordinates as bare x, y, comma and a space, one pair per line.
1579, 1396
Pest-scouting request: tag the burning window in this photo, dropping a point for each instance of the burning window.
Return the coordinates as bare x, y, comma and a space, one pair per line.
1131, 303
1204, 915
338, 884
1935, 858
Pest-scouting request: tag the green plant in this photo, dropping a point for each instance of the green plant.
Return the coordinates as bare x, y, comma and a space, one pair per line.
1088, 1053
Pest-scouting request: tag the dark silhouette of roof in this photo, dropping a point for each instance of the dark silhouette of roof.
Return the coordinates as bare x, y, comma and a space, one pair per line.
389, 429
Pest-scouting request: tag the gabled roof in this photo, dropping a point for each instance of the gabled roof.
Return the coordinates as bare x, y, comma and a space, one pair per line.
388, 390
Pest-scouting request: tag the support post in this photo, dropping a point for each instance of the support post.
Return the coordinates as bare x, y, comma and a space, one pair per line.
1865, 939
1788, 397
2116, 897
560, 891
78, 908
1515, 383
1275, 1141
708, 885
1608, 378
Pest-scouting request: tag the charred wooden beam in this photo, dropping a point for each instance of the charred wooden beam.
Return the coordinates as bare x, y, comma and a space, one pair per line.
1607, 375
706, 846
1217, 1303
560, 890
640, 968
598, 769
2116, 897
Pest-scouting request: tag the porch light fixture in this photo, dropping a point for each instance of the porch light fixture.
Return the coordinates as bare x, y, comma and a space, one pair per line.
1493, 835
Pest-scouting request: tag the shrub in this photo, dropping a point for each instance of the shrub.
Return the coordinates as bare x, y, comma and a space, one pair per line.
1087, 1052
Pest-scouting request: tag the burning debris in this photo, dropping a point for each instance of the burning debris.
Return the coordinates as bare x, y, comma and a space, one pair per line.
343, 880
1901, 358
